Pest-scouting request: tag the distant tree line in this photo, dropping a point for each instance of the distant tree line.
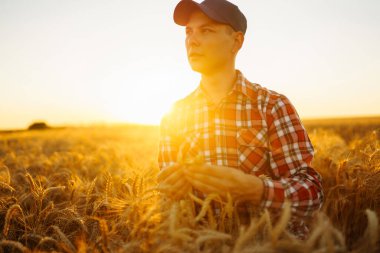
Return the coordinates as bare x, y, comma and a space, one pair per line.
38, 126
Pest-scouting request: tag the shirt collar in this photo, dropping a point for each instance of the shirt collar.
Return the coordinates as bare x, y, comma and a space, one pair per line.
240, 86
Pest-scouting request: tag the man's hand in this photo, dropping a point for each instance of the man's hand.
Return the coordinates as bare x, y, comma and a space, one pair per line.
221, 180
172, 181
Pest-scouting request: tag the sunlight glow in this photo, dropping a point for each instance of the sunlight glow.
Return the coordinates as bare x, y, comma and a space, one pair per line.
148, 112
137, 104
84, 62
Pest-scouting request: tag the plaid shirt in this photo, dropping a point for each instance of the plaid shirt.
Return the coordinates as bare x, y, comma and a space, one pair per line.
252, 129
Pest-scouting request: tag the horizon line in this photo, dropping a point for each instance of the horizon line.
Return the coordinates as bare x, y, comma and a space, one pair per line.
121, 123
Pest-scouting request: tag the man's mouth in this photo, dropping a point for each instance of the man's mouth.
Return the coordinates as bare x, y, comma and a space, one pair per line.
191, 55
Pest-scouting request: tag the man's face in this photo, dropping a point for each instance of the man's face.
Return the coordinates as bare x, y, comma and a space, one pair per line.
210, 45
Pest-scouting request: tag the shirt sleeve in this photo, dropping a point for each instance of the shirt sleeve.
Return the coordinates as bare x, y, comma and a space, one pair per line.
290, 155
168, 143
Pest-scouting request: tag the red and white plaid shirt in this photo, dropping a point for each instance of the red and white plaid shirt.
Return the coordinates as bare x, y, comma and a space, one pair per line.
252, 129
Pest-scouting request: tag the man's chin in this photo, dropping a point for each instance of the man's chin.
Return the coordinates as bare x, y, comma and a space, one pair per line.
200, 68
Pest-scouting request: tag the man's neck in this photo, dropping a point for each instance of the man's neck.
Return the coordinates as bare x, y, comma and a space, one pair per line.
218, 84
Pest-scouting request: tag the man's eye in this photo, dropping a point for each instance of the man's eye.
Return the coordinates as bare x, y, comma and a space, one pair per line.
206, 30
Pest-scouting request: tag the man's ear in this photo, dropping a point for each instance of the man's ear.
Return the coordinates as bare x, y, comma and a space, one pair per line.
239, 40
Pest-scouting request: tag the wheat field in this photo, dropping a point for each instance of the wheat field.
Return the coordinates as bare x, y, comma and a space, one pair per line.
94, 189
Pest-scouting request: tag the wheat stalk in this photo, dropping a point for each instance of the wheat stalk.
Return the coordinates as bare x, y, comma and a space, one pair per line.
103, 230
89, 192
52, 189
31, 182
62, 237
173, 219
248, 235
45, 211
143, 220
14, 245
108, 186
6, 187
206, 205
282, 223
7, 174
211, 235
46, 243
370, 238
16, 208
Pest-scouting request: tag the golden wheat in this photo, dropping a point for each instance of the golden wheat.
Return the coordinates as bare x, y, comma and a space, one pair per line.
95, 190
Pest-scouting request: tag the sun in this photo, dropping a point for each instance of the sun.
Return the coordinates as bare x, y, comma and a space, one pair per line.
141, 111
144, 100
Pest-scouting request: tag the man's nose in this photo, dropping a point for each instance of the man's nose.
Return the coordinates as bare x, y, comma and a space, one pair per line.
192, 39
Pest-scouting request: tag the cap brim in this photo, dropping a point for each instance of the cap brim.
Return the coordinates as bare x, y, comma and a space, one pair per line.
183, 10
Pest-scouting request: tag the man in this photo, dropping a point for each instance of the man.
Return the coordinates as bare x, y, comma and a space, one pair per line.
244, 140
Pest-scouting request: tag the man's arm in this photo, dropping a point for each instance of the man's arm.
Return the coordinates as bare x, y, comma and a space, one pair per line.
168, 143
291, 154
171, 178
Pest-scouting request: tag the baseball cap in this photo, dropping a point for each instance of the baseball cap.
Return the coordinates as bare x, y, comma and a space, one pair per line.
220, 11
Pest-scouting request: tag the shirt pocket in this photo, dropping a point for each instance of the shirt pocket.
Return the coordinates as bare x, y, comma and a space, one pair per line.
252, 149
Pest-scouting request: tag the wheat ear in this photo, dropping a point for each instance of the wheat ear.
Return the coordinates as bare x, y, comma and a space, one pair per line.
47, 240
8, 218
14, 245
6, 187
8, 175
89, 192
206, 206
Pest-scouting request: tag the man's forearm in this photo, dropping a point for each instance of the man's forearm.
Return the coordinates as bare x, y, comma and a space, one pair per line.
252, 189
225, 180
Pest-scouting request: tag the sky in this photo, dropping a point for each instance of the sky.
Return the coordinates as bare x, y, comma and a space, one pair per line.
80, 62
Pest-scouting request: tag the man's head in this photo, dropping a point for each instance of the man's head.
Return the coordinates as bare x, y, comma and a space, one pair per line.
214, 33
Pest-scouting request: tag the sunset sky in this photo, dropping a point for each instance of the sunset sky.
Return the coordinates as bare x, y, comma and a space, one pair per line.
82, 62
